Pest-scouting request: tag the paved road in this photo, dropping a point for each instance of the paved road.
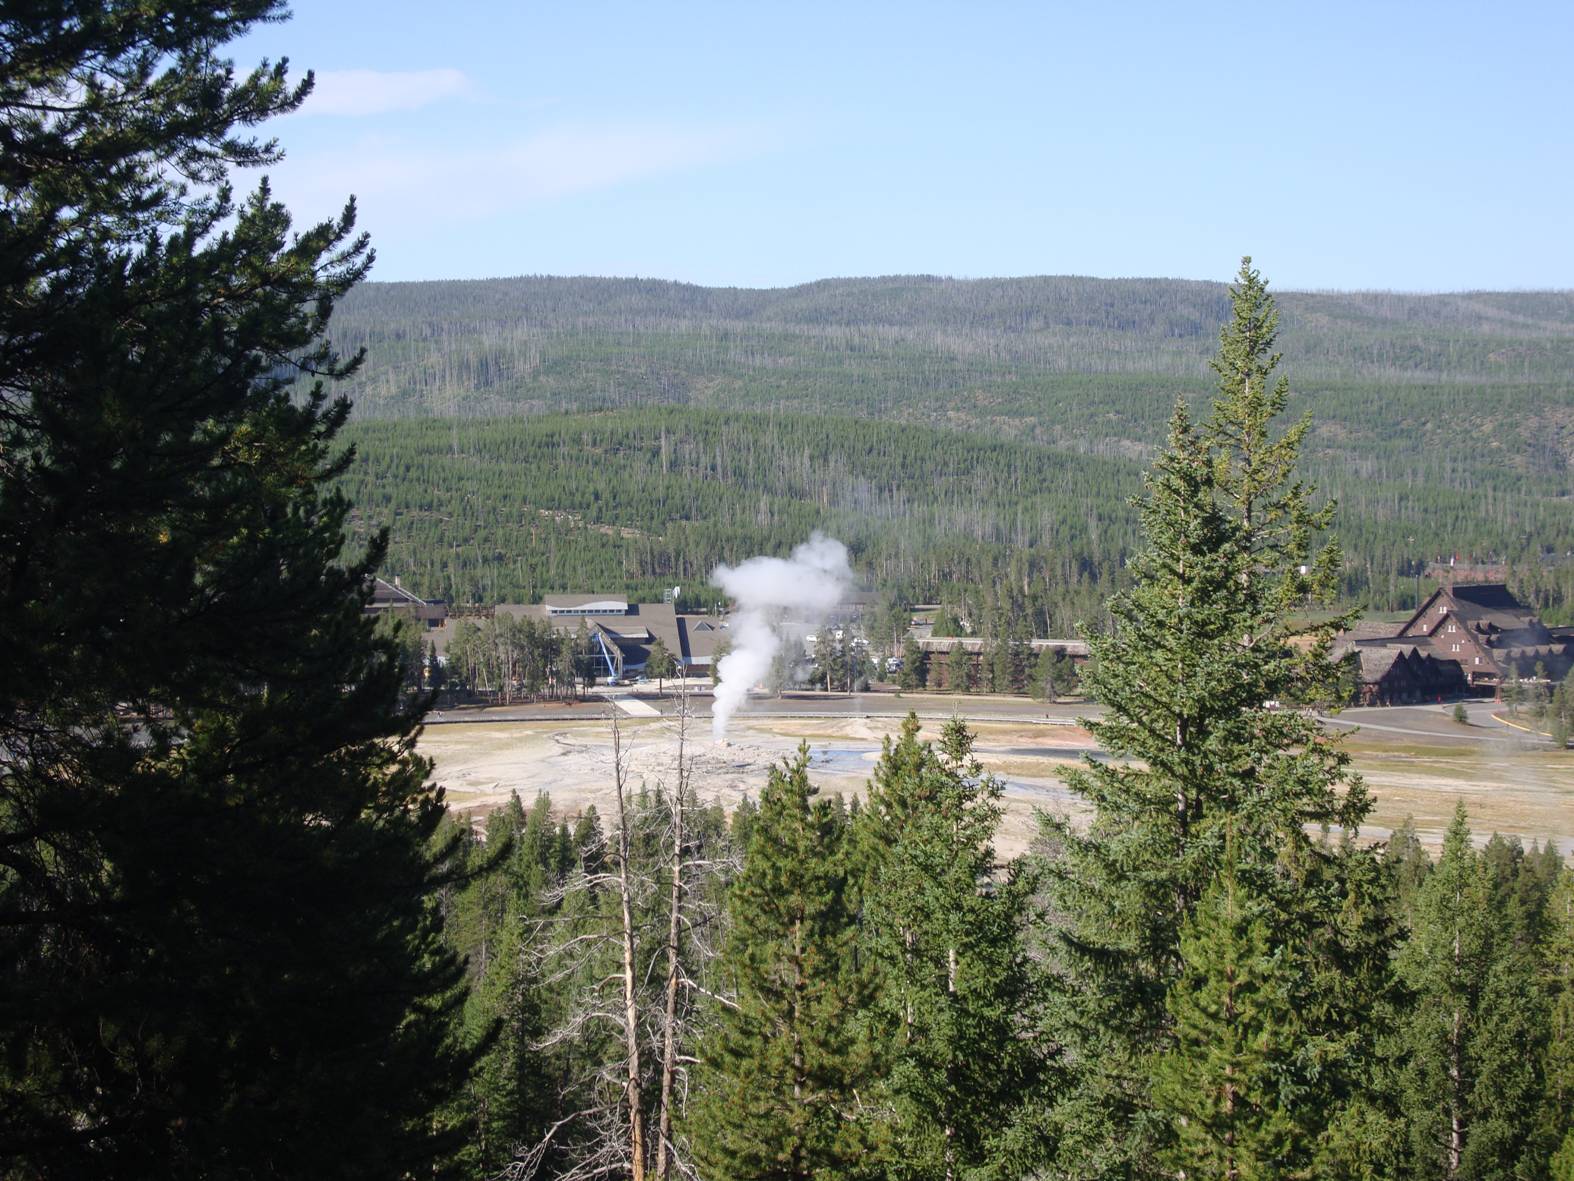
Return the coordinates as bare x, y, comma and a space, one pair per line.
1435, 721
929, 706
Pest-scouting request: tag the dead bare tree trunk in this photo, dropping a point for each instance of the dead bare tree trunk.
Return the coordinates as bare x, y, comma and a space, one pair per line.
636, 972
632, 1093
669, 1035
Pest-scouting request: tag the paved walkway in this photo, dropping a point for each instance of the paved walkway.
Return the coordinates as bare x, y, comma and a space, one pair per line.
636, 708
1411, 731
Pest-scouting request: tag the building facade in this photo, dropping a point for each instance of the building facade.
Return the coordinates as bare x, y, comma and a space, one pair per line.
1478, 628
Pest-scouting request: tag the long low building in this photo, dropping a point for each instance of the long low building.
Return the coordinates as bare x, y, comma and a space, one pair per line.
621, 633
1389, 674
943, 645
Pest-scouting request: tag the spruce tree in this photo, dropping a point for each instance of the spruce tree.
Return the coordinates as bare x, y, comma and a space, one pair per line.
510, 1091
915, 665
1234, 1036
218, 953
775, 1093
947, 941
1557, 1116
1407, 866
1349, 1004
660, 664
959, 670
1472, 1085
1205, 637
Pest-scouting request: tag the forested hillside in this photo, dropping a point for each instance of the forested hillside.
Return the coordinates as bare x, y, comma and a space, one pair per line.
1443, 424
496, 510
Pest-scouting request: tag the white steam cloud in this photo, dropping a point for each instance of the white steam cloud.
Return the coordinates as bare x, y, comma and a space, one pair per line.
773, 596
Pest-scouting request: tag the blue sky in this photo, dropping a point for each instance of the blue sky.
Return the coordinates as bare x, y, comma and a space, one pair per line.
1418, 146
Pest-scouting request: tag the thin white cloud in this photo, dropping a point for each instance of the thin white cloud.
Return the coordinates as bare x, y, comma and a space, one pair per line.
565, 161
377, 92
395, 178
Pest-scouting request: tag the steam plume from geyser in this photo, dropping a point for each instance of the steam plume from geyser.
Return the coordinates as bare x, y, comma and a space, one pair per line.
773, 597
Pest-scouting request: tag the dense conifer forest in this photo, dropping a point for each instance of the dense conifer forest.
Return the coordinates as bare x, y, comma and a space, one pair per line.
1420, 1022
508, 509
941, 426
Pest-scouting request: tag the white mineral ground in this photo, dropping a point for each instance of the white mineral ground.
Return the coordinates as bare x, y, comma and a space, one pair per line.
1528, 793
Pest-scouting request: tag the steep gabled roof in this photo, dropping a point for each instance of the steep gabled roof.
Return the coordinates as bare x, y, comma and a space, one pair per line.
1376, 662
385, 593
1485, 607
700, 637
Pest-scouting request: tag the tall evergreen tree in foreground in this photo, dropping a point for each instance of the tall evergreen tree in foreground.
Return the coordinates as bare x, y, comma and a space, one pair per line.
775, 1095
1201, 645
216, 953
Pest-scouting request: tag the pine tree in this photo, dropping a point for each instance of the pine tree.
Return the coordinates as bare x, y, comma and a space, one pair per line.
1508, 1056
1053, 674
1556, 1121
1408, 866
510, 1092
217, 949
915, 665
998, 659
948, 945
775, 1094
660, 664
1201, 642
959, 670
1235, 1033
1473, 1083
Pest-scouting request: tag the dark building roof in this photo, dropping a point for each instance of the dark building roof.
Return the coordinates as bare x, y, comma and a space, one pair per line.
1376, 662
1487, 607
392, 597
1371, 629
702, 635
391, 594
692, 638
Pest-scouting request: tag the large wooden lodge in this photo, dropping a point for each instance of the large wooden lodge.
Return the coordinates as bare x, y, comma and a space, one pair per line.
1469, 638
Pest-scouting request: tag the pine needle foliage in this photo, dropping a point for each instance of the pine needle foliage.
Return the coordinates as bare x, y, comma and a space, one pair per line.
776, 1093
218, 956
1475, 1038
945, 932
1234, 1036
1206, 646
